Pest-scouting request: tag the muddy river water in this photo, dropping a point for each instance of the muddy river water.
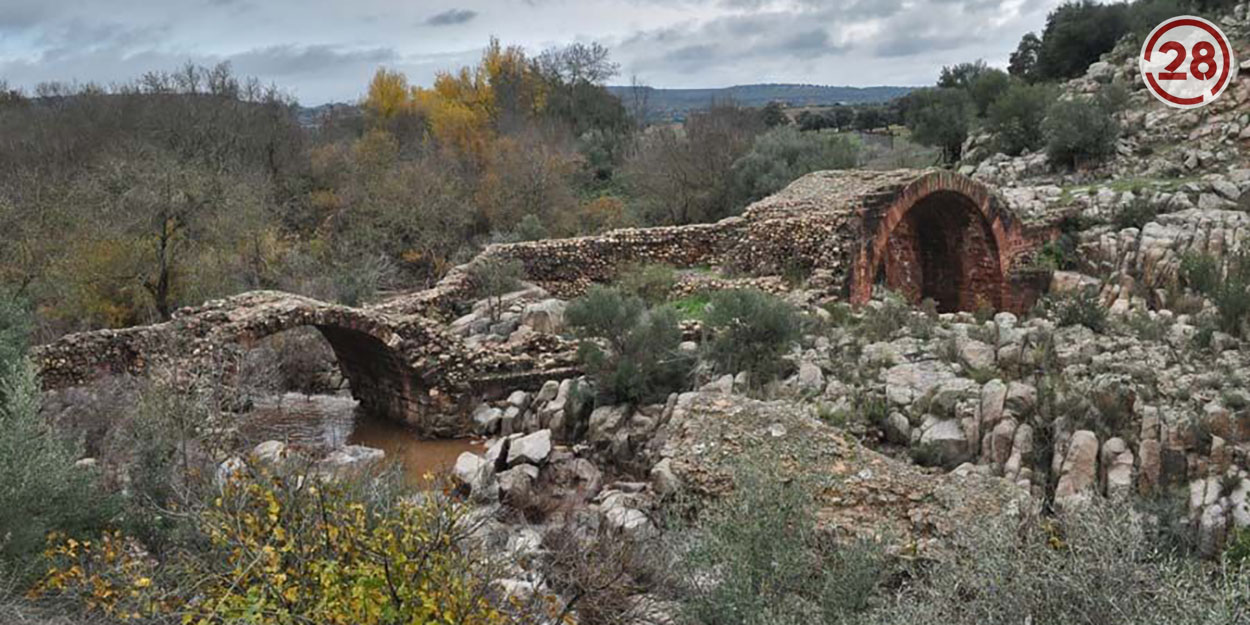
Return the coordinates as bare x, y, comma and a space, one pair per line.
319, 423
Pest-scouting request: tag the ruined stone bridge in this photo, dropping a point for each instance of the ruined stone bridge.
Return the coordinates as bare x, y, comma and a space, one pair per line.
923, 233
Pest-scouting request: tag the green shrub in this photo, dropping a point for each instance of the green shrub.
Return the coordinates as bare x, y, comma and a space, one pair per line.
1135, 214
630, 352
1016, 117
880, 322
750, 331
1230, 292
653, 282
41, 491
1080, 308
782, 155
756, 557
1097, 566
1078, 132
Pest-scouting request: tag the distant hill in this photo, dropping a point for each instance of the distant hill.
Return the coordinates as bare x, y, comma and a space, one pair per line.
677, 103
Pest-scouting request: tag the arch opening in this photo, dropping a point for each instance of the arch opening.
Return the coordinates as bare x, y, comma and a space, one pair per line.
943, 249
325, 359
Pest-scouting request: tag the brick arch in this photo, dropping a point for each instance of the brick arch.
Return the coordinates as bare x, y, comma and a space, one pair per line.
943, 235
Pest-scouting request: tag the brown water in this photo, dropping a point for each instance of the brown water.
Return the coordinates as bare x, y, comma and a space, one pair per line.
320, 423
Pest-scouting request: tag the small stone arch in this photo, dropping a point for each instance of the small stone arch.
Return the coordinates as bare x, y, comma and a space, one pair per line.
943, 236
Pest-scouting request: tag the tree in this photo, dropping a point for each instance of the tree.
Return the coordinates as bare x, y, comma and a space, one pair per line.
1076, 34
1023, 62
962, 75
843, 116
782, 155
1016, 117
941, 118
774, 115
869, 118
1079, 131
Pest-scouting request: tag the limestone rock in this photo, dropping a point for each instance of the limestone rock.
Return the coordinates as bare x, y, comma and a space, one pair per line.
530, 449
546, 316
1078, 477
908, 382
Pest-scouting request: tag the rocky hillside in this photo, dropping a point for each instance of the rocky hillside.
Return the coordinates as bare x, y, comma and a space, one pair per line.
1187, 172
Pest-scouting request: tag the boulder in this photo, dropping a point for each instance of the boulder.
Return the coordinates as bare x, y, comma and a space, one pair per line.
1116, 465
1078, 475
352, 458
486, 419
663, 480
1150, 466
976, 355
945, 443
271, 453
517, 483
809, 379
993, 395
546, 316
229, 468
908, 382
605, 420
530, 449
1020, 400
897, 429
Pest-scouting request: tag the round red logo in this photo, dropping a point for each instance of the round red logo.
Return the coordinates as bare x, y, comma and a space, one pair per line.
1186, 62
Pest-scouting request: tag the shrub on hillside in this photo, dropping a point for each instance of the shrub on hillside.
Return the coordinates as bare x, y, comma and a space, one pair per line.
1016, 117
1079, 131
1080, 308
653, 282
1100, 565
1230, 292
630, 352
757, 557
750, 331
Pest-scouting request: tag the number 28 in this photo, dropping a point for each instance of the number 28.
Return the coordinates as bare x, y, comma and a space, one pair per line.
1204, 55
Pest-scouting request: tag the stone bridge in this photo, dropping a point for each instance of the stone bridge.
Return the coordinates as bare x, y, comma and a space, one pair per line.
926, 234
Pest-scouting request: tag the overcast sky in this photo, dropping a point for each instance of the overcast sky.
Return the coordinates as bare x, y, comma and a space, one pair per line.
324, 50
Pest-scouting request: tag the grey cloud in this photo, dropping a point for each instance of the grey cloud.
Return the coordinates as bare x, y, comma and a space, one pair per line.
291, 60
451, 17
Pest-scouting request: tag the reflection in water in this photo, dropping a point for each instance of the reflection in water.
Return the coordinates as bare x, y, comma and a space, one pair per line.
319, 423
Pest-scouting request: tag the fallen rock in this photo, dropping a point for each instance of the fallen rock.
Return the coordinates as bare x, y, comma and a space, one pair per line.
530, 449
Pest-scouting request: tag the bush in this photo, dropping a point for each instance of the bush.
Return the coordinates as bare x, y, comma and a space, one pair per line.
1079, 131
653, 282
495, 277
287, 549
1096, 566
757, 557
41, 491
782, 155
1135, 214
750, 331
630, 352
1081, 308
1016, 117
1230, 292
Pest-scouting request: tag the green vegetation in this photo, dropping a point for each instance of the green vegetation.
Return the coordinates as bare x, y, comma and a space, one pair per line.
941, 117
784, 154
1230, 292
693, 306
750, 331
769, 561
41, 490
1079, 132
629, 351
653, 282
494, 277
1079, 308
1016, 117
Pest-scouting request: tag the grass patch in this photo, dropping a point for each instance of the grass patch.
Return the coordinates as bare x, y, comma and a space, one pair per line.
693, 306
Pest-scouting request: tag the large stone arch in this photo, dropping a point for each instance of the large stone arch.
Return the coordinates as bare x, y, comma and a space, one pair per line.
942, 236
403, 368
